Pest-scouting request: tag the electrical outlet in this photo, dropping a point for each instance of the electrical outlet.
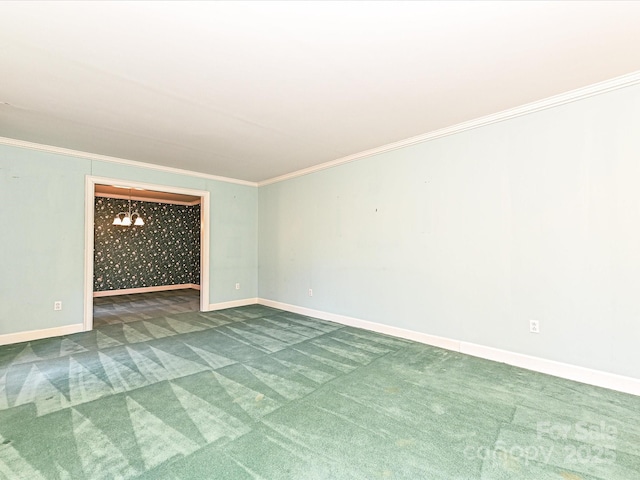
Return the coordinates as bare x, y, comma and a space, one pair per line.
311, 292
237, 286
57, 305
534, 326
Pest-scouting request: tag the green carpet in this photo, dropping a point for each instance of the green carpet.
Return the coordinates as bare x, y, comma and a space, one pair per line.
257, 393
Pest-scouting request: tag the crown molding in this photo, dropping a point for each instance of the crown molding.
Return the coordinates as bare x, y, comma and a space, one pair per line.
12, 142
550, 102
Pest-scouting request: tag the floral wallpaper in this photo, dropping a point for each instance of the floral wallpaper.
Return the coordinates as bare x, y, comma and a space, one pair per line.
164, 251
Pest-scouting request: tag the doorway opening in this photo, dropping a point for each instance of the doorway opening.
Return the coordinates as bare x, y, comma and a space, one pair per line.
141, 269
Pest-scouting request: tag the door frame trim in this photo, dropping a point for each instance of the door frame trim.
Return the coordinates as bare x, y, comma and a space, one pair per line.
89, 214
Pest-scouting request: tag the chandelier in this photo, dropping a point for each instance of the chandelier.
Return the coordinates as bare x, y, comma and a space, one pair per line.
126, 219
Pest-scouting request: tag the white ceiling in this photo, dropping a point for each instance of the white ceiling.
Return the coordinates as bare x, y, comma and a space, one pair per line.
256, 90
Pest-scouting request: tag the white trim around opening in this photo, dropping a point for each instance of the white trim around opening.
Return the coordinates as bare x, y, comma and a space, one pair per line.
90, 183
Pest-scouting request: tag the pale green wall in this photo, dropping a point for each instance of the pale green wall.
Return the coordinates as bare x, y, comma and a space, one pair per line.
41, 239
42, 235
470, 236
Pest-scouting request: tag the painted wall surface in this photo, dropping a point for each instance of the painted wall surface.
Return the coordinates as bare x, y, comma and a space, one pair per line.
470, 236
234, 245
163, 251
233, 223
42, 235
41, 239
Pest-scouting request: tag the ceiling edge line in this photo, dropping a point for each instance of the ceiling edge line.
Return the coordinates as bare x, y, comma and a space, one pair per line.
599, 88
12, 142
146, 199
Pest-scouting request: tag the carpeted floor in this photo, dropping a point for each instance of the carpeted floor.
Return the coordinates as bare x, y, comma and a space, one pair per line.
258, 393
143, 306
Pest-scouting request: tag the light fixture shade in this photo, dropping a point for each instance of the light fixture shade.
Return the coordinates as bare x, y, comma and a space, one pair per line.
139, 221
117, 220
126, 221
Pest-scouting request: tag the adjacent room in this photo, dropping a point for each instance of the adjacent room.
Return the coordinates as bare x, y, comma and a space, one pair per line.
320, 240
146, 254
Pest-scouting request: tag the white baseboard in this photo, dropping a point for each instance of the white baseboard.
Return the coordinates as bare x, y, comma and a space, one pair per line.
567, 371
232, 304
19, 337
589, 376
365, 324
159, 288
